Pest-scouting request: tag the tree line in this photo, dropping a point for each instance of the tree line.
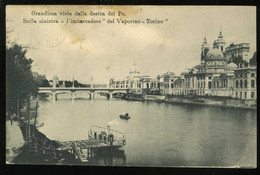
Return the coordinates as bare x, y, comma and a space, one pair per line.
21, 82
68, 84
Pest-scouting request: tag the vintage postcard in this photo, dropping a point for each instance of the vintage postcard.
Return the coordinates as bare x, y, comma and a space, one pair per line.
155, 86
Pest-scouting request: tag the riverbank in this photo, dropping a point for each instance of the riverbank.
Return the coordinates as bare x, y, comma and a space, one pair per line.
14, 140
202, 101
41, 150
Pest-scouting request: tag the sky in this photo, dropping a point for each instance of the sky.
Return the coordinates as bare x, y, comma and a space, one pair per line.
104, 51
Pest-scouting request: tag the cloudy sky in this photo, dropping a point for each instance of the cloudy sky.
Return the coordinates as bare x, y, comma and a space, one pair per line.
104, 51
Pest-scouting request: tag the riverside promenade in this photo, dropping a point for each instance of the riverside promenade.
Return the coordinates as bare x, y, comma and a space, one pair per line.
203, 101
14, 140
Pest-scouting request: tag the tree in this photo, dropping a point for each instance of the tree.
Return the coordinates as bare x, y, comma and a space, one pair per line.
20, 84
68, 83
41, 80
252, 61
239, 61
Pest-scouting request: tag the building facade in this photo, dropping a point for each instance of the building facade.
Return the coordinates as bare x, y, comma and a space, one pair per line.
238, 50
137, 83
245, 83
216, 75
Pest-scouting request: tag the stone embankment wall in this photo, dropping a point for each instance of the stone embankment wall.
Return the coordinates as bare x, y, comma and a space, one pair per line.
224, 102
205, 101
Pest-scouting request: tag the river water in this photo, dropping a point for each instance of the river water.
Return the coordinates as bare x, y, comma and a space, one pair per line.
158, 134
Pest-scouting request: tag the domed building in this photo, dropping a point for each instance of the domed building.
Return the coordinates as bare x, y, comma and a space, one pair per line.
223, 85
213, 63
134, 73
215, 60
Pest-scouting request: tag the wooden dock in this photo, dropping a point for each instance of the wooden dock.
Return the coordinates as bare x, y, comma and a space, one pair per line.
83, 149
85, 144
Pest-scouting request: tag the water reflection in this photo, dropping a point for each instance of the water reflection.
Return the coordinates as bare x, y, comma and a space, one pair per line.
157, 134
108, 157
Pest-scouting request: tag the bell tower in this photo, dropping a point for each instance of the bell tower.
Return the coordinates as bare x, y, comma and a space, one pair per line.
204, 48
221, 42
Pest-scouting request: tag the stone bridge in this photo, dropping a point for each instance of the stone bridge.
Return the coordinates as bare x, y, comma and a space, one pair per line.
74, 90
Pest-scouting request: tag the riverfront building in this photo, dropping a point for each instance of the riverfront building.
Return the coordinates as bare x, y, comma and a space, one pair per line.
245, 83
216, 75
136, 83
198, 80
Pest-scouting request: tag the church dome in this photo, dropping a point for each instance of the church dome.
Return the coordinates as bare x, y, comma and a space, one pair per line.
134, 70
231, 66
214, 54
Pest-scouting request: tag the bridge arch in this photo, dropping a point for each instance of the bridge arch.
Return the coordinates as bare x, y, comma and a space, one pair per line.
49, 93
65, 92
109, 95
119, 93
80, 94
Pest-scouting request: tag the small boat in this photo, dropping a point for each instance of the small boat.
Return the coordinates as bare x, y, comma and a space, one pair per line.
126, 116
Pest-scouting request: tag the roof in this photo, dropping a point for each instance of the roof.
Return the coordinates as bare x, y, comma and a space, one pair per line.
233, 65
214, 54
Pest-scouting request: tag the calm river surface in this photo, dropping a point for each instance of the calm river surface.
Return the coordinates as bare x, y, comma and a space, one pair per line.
158, 134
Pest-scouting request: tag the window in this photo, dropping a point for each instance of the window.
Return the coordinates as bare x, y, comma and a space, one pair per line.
241, 83
171, 85
240, 94
245, 95
241, 75
204, 83
252, 74
252, 95
210, 78
245, 75
236, 94
237, 84
252, 83
245, 83
209, 85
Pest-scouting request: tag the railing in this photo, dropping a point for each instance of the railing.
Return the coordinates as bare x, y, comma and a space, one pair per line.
117, 134
79, 88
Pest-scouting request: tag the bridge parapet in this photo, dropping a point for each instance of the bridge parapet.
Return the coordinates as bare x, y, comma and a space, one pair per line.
79, 88
72, 90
